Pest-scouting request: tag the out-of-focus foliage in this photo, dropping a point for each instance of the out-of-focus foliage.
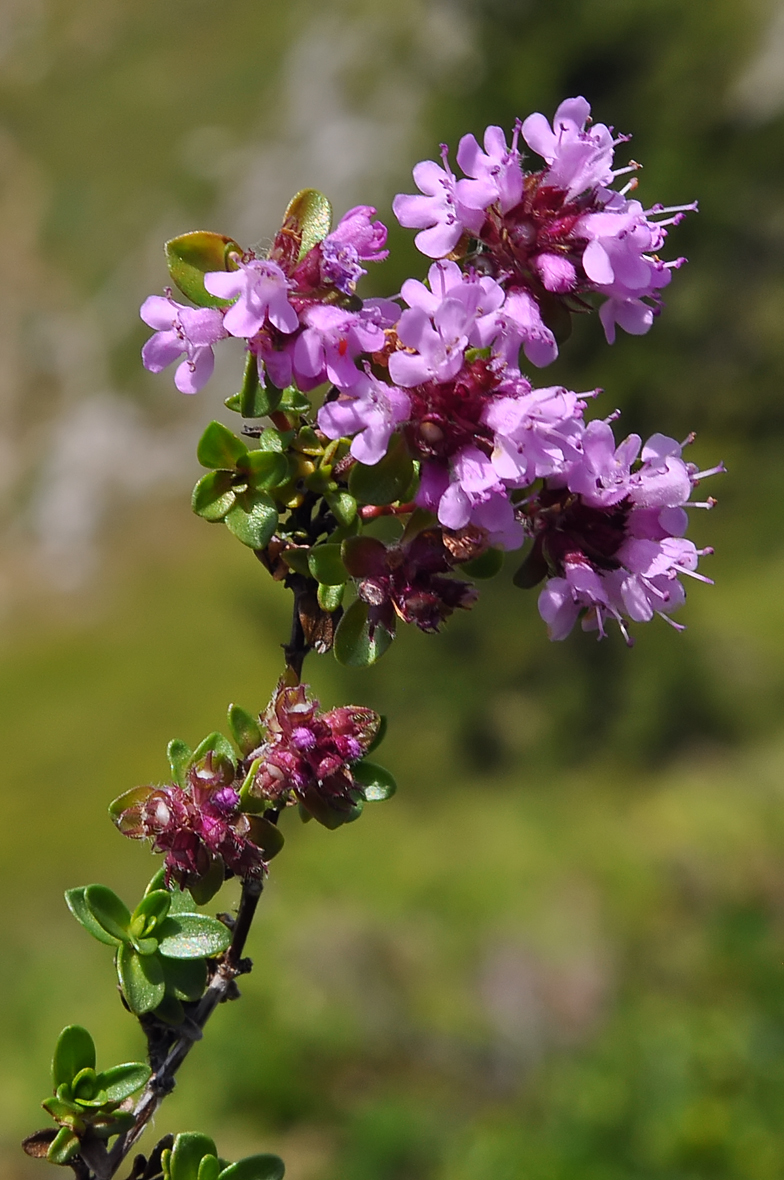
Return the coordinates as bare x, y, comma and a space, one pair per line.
557, 953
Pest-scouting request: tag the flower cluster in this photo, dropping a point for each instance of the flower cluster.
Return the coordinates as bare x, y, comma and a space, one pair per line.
608, 534
293, 312
197, 827
436, 372
550, 237
307, 755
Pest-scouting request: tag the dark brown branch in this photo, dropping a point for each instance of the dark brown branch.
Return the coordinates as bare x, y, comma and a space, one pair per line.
162, 1081
222, 985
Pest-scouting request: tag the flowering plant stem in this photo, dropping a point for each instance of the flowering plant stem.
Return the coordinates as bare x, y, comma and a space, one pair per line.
430, 454
222, 987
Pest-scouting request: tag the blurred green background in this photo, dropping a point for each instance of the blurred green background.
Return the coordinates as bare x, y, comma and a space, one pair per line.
559, 951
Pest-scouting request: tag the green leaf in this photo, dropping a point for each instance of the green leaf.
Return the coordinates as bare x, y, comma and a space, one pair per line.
74, 1051
330, 597
213, 495
214, 743
381, 733
209, 1168
296, 558
309, 216
122, 1080
293, 401
255, 1167
170, 1010
188, 1152
377, 783
354, 644
533, 569
185, 978
343, 506
387, 480
180, 756
207, 886
220, 448
193, 255
265, 469
74, 899
63, 1147
265, 835
254, 520
141, 979
272, 439
255, 400
109, 911
487, 565
332, 817
193, 936
244, 729
326, 565
180, 899
152, 909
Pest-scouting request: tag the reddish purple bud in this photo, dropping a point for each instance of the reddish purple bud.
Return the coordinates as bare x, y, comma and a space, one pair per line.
408, 580
308, 755
195, 827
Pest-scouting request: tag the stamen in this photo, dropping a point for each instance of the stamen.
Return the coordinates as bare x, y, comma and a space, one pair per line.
719, 469
673, 624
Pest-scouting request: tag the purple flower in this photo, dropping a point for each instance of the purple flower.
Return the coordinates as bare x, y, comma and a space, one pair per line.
496, 176
261, 292
608, 534
438, 213
331, 342
181, 329
355, 238
521, 326
578, 159
548, 237
441, 322
537, 432
370, 410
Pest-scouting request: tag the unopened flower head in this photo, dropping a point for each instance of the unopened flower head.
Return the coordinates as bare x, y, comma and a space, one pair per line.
195, 826
307, 755
408, 580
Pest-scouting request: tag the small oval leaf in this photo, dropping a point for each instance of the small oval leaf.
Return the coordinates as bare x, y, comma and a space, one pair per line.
220, 448
193, 936
387, 480
377, 782
326, 565
255, 1167
487, 565
189, 1150
74, 1051
213, 495
191, 256
74, 899
109, 911
179, 755
355, 646
141, 979
244, 729
122, 1080
253, 520
309, 217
